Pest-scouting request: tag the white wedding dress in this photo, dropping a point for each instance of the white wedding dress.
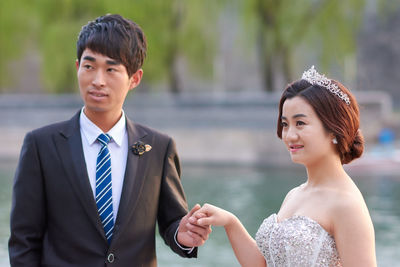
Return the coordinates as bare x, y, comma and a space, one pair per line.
296, 241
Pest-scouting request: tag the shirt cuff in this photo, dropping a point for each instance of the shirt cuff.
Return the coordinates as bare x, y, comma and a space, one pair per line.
188, 250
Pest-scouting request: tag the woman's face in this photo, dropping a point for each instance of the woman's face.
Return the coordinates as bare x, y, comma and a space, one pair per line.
303, 133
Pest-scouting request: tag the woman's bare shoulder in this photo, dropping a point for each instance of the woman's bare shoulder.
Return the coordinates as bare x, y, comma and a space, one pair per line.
347, 206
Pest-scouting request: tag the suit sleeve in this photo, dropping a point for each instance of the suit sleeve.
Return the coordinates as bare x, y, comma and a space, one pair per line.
172, 203
28, 211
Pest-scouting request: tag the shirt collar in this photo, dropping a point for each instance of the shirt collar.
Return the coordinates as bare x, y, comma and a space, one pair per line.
91, 131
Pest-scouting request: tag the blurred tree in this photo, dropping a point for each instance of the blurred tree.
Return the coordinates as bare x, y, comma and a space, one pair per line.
328, 27
15, 25
174, 29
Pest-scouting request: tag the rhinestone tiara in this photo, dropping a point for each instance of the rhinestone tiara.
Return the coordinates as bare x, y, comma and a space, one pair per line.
313, 77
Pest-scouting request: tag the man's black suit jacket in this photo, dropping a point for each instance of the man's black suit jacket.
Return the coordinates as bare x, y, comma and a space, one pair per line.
54, 218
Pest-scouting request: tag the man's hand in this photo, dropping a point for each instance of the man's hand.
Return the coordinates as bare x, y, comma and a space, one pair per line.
190, 234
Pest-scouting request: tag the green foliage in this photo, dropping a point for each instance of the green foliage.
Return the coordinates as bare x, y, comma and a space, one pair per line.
172, 27
335, 29
289, 29
14, 33
288, 34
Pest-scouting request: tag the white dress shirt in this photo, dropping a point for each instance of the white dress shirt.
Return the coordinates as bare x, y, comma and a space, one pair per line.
118, 147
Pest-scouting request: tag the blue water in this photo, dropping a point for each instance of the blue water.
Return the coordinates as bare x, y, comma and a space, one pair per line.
252, 194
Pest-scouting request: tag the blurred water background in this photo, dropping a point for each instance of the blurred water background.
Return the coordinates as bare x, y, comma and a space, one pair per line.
252, 194
212, 79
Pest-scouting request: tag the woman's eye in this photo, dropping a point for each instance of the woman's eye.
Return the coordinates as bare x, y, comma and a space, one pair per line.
284, 124
299, 123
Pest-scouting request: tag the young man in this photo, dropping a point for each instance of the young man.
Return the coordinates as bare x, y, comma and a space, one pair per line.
88, 191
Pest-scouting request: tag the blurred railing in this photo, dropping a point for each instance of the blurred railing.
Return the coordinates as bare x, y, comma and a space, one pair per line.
224, 128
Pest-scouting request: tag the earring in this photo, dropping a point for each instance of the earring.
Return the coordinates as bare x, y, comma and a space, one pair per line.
334, 141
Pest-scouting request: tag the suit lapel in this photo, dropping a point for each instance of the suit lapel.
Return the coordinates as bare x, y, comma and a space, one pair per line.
133, 180
69, 145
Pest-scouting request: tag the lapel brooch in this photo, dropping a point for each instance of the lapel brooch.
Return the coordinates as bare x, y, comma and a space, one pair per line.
139, 148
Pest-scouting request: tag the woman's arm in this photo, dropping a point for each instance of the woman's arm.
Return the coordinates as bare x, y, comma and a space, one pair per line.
354, 233
244, 246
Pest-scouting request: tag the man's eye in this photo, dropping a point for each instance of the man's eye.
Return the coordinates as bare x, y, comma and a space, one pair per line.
87, 67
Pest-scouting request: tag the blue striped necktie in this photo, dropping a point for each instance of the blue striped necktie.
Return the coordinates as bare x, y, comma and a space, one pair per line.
104, 187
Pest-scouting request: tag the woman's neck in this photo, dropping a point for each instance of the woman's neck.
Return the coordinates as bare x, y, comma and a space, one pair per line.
325, 171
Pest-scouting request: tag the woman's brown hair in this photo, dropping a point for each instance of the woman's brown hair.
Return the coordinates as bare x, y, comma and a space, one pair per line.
338, 118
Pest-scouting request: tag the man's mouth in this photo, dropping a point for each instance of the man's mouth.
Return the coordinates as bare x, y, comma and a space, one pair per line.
97, 94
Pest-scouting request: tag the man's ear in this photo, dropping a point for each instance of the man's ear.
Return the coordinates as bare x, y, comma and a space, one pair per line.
77, 65
135, 79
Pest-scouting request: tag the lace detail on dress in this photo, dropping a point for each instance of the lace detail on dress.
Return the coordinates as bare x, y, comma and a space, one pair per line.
296, 241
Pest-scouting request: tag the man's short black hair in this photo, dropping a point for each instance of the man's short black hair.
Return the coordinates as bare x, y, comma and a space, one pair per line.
115, 37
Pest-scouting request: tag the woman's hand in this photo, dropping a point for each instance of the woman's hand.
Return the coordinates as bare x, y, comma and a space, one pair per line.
244, 246
191, 234
212, 215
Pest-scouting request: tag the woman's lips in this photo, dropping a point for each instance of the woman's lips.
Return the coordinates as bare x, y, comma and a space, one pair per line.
294, 148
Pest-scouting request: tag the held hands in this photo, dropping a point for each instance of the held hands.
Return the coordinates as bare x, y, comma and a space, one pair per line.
212, 215
191, 234
195, 227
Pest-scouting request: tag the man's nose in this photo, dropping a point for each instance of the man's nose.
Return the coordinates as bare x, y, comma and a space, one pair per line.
99, 79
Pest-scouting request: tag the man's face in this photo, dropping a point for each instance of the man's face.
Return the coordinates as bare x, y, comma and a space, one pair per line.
104, 83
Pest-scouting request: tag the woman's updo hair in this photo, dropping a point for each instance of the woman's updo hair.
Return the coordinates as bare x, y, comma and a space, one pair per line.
337, 117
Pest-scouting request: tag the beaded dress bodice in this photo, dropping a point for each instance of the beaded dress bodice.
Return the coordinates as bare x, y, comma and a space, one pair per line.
296, 241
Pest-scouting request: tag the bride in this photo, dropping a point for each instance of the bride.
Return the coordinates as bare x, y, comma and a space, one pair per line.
324, 221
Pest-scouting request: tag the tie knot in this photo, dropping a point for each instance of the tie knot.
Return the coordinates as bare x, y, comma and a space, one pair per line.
104, 139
